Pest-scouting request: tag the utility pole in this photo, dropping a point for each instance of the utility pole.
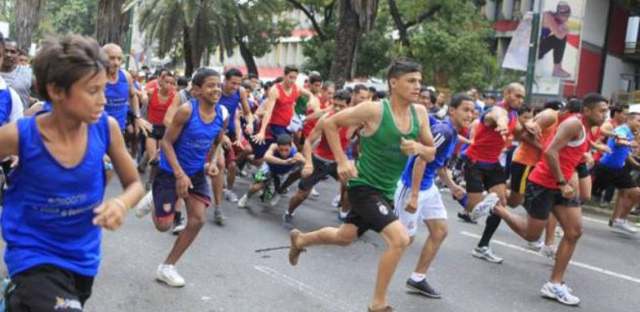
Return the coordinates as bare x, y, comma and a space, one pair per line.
533, 50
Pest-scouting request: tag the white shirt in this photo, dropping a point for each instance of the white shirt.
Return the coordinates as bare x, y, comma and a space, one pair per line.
16, 103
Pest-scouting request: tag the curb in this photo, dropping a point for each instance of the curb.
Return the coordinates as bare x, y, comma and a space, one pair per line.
606, 212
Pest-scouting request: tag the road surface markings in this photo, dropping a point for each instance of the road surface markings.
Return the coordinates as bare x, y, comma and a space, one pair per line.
576, 263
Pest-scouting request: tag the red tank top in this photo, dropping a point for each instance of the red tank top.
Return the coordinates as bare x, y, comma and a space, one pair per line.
324, 151
570, 156
157, 110
593, 137
310, 123
487, 143
283, 109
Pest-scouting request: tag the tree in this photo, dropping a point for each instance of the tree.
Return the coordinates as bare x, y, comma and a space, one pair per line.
77, 16
112, 24
402, 26
28, 14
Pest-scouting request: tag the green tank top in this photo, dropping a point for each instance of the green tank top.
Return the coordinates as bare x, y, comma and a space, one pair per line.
301, 105
381, 162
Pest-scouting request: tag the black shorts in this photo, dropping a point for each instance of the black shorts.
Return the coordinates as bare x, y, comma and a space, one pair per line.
583, 171
519, 175
321, 169
131, 119
482, 176
604, 177
158, 132
539, 200
370, 210
47, 287
165, 196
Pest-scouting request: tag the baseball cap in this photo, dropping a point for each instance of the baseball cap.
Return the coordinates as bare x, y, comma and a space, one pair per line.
563, 8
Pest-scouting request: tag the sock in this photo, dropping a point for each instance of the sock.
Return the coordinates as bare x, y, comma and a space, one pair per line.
343, 215
177, 218
463, 201
417, 277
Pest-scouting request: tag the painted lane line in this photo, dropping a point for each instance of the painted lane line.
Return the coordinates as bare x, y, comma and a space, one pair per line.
576, 263
335, 303
595, 220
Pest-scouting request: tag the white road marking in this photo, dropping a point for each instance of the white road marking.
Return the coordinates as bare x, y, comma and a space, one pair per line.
335, 303
576, 263
595, 220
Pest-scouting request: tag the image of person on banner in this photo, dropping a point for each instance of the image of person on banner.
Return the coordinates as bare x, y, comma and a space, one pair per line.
553, 37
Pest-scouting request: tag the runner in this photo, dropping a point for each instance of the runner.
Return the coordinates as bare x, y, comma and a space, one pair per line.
301, 109
183, 150
483, 170
618, 118
418, 199
548, 190
322, 163
11, 106
160, 99
53, 215
615, 169
390, 131
281, 158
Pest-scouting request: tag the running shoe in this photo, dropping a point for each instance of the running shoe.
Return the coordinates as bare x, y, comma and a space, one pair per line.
178, 226
145, 205
336, 201
636, 212
486, 253
168, 274
623, 226
535, 246
314, 193
230, 196
242, 203
218, 216
549, 251
485, 207
423, 288
274, 201
559, 292
287, 220
558, 232
342, 216
466, 217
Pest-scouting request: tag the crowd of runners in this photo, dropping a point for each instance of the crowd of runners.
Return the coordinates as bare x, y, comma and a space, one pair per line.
392, 152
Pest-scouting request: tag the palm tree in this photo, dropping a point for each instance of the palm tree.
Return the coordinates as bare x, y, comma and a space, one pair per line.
112, 23
28, 14
356, 18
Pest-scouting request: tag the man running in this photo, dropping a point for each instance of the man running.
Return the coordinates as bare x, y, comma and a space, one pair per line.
418, 199
549, 190
183, 151
390, 130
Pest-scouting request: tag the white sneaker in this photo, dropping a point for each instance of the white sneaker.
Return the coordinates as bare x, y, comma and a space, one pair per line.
230, 195
486, 253
558, 232
168, 274
145, 205
178, 228
336, 201
559, 292
549, 251
485, 207
623, 225
242, 203
535, 246
274, 201
314, 193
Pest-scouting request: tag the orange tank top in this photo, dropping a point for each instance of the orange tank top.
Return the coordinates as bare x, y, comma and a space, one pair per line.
530, 155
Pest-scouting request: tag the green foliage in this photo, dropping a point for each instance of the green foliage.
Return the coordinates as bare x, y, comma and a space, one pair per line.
77, 16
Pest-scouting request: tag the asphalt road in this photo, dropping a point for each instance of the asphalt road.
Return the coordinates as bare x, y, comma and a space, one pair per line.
243, 266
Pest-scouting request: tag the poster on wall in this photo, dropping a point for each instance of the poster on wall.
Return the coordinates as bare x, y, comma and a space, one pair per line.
517, 55
560, 37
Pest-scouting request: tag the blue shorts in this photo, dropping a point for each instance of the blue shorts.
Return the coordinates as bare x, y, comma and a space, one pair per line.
165, 196
259, 150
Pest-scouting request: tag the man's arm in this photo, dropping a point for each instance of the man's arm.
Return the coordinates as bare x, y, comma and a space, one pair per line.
171, 111
367, 113
426, 149
269, 158
217, 144
246, 109
607, 130
633, 162
314, 103
269, 104
311, 140
135, 106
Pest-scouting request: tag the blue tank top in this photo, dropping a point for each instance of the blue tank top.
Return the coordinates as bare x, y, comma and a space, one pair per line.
231, 102
5, 106
48, 209
282, 169
619, 153
194, 143
118, 99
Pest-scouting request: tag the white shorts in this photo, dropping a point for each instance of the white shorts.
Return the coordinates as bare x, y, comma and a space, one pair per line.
430, 206
296, 123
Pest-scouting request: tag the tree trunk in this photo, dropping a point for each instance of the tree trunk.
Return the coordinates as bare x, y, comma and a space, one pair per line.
400, 25
189, 67
247, 56
349, 32
28, 14
112, 26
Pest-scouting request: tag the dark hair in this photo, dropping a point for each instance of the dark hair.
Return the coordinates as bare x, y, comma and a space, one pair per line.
381, 95
572, 97
432, 97
202, 74
359, 87
592, 99
63, 61
232, 72
424, 88
144, 67
523, 109
402, 66
2, 40
252, 75
328, 84
349, 89
555, 105
313, 78
291, 68
246, 85
574, 105
537, 110
372, 90
278, 80
342, 95
284, 139
183, 81
457, 99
